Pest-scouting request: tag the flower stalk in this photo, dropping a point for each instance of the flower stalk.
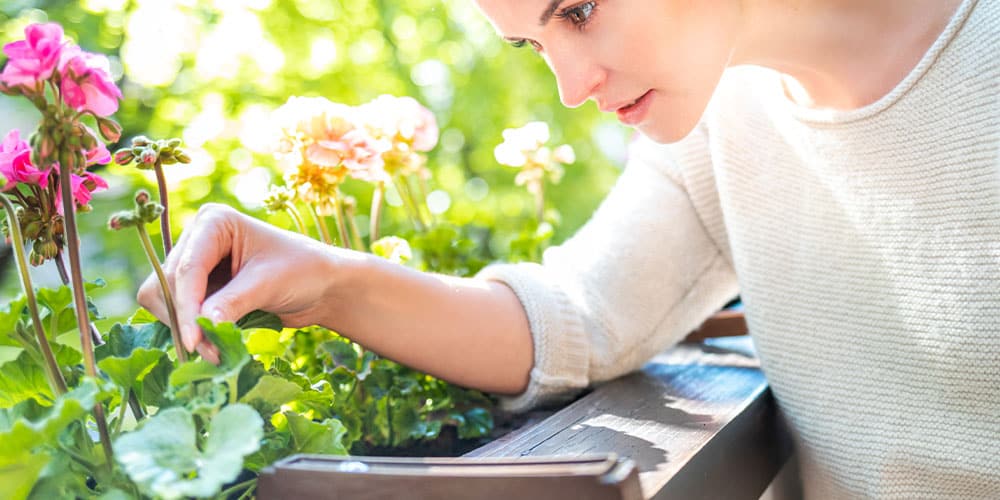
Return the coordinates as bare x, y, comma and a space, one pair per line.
338, 216
67, 161
145, 212
50, 365
376, 211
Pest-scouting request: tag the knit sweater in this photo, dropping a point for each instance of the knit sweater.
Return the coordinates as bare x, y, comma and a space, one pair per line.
865, 245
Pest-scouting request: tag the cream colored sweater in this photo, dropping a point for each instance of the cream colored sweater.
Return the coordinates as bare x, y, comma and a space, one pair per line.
865, 245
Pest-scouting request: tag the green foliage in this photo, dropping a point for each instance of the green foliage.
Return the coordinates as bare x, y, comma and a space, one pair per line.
276, 391
167, 458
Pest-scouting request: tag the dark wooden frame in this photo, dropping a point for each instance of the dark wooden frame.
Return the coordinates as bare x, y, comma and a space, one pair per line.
698, 421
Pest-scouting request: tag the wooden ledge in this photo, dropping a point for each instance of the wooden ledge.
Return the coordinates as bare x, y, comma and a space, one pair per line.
699, 421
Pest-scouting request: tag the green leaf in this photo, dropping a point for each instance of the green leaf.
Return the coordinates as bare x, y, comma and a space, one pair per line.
26, 427
162, 457
15, 311
154, 387
66, 355
325, 437
21, 380
123, 339
260, 319
142, 316
477, 422
18, 477
129, 371
274, 446
61, 478
228, 338
265, 345
194, 371
270, 393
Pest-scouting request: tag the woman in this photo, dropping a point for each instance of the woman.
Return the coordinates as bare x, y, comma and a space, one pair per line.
837, 162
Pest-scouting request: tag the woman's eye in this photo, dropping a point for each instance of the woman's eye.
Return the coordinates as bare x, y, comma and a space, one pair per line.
579, 15
524, 42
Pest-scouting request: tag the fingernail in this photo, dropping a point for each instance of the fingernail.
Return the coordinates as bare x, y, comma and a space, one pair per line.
187, 337
215, 315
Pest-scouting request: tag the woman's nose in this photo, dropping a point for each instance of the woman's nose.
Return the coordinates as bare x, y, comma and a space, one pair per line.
577, 76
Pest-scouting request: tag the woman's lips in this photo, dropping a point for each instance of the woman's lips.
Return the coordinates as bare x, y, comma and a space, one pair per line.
633, 114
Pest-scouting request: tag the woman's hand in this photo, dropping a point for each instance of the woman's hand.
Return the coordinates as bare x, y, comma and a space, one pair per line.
227, 264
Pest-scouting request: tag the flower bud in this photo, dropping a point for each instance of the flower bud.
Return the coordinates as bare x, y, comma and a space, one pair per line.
123, 219
148, 157
45, 248
88, 141
47, 147
149, 212
110, 129
114, 223
142, 197
173, 143
140, 141
182, 157
124, 156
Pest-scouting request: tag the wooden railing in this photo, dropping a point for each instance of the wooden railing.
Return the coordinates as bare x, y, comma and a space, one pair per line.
698, 421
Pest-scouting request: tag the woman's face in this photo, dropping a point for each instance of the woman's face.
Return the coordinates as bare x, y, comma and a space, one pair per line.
655, 63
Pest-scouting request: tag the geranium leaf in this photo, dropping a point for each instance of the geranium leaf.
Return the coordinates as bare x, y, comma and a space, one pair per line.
260, 319
162, 457
325, 437
153, 389
22, 379
228, 338
270, 393
19, 476
194, 371
266, 345
123, 339
141, 316
61, 478
131, 370
477, 422
19, 432
273, 446
8, 320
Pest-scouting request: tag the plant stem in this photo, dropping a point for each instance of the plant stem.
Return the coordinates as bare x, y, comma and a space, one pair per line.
338, 216
296, 218
540, 202
237, 487
376, 213
168, 298
17, 242
61, 266
79, 299
324, 232
408, 203
161, 181
355, 234
422, 191
121, 411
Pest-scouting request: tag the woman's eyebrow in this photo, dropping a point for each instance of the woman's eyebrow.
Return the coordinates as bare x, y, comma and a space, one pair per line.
549, 11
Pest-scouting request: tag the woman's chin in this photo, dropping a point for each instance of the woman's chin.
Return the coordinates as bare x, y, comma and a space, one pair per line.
666, 133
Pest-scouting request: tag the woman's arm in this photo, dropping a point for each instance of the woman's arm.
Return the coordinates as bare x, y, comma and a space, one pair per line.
470, 332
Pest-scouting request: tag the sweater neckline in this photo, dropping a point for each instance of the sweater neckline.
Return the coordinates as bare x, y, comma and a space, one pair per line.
834, 116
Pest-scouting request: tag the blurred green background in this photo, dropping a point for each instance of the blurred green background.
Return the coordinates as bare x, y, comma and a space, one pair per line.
210, 72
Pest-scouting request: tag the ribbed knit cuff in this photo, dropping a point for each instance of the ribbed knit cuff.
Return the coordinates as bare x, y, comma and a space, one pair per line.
562, 350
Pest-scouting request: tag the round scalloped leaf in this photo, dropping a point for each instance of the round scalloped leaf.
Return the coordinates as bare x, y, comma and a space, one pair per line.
162, 457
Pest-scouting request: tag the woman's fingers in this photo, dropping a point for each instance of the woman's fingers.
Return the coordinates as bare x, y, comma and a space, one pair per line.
240, 296
209, 241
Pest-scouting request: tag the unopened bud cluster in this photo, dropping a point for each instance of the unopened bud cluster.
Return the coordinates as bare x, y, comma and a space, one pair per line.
145, 211
148, 153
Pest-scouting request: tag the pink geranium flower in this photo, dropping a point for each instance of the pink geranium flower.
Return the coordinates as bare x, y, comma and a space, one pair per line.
100, 154
15, 162
87, 83
34, 58
402, 119
83, 187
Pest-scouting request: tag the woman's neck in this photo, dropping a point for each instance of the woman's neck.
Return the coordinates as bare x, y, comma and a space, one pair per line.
840, 54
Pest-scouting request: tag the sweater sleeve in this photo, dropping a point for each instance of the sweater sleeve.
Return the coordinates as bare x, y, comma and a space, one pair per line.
638, 276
